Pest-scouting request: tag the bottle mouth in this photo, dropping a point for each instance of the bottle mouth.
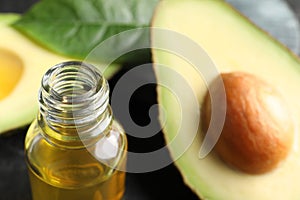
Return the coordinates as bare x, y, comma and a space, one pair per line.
73, 83
73, 94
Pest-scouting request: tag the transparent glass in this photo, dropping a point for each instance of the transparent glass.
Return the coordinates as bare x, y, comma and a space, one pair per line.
75, 149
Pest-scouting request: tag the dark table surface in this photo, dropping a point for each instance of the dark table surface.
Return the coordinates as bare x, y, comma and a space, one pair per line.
165, 183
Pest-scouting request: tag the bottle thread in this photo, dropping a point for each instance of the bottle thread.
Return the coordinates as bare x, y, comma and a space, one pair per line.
74, 103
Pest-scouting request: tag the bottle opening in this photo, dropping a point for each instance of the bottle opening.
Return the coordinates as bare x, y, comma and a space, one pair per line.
74, 100
74, 82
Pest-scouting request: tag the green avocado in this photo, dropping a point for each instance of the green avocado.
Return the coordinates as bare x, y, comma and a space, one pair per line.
233, 43
22, 65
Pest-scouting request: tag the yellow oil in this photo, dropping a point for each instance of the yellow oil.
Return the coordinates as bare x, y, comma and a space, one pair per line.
70, 174
110, 189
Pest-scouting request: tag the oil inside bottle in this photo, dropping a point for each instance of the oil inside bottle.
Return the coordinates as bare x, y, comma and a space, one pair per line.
75, 150
109, 189
75, 174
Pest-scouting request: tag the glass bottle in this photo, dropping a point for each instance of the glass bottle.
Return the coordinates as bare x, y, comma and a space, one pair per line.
75, 149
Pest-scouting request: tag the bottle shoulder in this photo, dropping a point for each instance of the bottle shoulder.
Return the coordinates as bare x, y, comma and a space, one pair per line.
112, 142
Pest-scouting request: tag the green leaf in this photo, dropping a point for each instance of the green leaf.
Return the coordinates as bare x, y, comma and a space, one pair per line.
75, 27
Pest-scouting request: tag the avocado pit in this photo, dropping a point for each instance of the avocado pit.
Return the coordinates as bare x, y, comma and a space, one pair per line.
258, 129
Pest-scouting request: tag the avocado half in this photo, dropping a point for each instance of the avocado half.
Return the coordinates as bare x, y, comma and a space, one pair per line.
22, 65
233, 44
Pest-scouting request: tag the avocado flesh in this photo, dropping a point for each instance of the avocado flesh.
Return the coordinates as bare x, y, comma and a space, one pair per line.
10, 72
233, 44
29, 61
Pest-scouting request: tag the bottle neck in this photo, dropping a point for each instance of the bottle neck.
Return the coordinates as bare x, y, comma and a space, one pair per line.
74, 108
